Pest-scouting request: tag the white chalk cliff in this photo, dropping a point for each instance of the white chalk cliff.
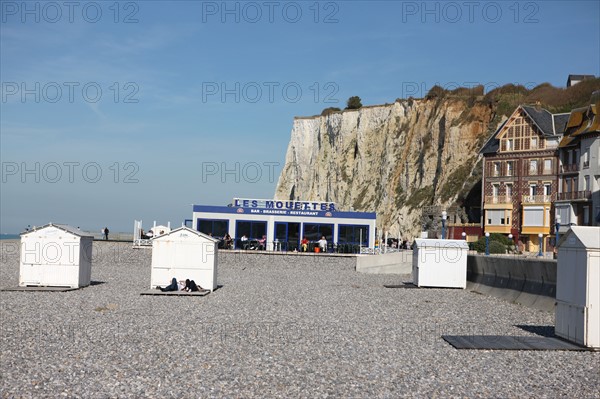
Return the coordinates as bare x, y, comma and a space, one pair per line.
393, 159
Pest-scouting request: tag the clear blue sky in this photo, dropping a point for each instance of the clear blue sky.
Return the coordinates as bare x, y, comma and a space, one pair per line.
163, 124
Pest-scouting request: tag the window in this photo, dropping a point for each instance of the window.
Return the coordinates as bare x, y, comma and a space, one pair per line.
352, 234
495, 217
509, 168
509, 145
547, 188
495, 190
509, 190
533, 216
586, 158
565, 214
214, 227
252, 230
569, 187
496, 169
534, 143
547, 166
532, 189
533, 167
508, 220
314, 231
587, 183
586, 215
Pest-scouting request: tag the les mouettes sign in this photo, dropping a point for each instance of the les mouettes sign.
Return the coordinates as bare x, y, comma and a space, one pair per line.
284, 205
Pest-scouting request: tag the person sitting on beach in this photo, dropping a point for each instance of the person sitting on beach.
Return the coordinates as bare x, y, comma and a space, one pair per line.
323, 244
304, 244
171, 287
190, 286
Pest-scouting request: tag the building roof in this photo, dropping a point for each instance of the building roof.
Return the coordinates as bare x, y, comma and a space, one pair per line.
65, 227
492, 145
581, 121
546, 121
549, 125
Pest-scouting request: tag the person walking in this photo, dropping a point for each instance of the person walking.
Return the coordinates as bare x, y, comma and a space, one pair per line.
106, 233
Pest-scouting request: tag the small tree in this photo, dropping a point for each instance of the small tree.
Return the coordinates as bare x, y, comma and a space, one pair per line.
330, 110
353, 103
497, 247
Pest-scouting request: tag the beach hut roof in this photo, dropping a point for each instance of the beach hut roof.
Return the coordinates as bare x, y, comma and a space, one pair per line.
65, 227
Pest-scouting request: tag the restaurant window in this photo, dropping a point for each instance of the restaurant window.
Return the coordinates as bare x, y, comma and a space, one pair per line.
251, 229
353, 234
214, 227
314, 231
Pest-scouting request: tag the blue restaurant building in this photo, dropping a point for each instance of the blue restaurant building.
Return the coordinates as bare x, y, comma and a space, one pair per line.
284, 223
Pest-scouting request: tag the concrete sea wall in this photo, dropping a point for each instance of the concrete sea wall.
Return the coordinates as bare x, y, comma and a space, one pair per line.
529, 282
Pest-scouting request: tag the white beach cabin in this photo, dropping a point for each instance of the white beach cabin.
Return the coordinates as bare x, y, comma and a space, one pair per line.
184, 253
56, 255
577, 312
440, 263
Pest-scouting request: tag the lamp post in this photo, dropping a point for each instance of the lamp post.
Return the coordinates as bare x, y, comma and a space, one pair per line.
464, 235
540, 236
444, 216
557, 229
487, 243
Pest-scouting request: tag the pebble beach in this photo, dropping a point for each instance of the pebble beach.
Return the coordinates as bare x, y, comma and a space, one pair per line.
303, 326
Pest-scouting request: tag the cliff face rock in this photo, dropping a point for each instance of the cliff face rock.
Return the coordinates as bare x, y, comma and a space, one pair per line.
392, 159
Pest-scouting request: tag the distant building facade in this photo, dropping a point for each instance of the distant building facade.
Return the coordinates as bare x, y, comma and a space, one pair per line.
578, 201
520, 180
574, 79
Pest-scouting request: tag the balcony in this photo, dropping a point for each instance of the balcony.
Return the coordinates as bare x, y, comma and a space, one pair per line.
498, 202
575, 196
536, 199
573, 168
498, 199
